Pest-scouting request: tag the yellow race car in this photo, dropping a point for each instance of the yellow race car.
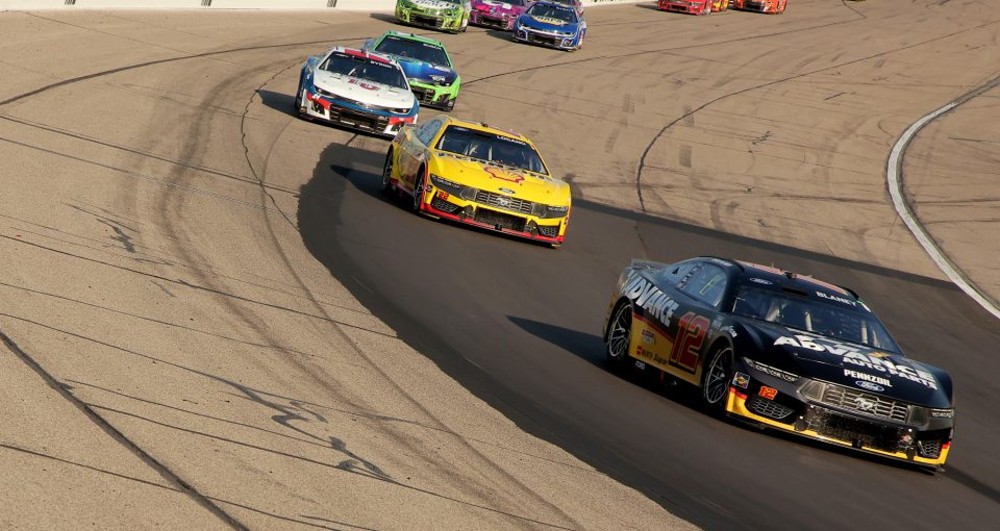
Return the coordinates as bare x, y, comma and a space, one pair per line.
479, 175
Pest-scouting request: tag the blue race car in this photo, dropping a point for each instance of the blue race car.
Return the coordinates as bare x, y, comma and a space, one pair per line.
551, 24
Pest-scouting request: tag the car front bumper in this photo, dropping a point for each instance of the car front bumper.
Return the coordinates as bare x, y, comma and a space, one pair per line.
335, 111
827, 412
429, 19
560, 41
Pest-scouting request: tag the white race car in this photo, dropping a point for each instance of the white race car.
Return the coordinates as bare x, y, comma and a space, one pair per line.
356, 89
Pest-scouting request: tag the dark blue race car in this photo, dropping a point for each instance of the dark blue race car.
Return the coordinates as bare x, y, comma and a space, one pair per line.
551, 24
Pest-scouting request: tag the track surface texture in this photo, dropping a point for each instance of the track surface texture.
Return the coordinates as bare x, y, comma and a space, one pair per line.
211, 318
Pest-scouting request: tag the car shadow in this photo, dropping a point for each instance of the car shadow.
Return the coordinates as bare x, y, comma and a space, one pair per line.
498, 34
278, 101
588, 347
385, 17
651, 5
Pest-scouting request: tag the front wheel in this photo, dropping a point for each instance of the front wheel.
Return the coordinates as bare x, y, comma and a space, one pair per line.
619, 333
718, 372
387, 173
418, 191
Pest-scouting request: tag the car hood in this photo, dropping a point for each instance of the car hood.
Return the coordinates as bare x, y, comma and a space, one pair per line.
363, 91
497, 8
425, 72
503, 180
548, 24
849, 364
434, 5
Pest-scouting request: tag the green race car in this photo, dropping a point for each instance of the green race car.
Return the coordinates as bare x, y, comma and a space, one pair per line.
447, 15
425, 62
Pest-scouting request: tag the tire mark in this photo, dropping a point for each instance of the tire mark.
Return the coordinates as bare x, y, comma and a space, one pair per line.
121, 438
663, 131
403, 439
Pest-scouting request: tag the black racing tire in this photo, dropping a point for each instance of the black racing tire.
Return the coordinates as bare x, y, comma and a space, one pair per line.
448, 107
618, 337
717, 375
300, 104
418, 190
387, 173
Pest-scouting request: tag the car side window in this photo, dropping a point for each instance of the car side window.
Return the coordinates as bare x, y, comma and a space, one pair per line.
674, 274
427, 132
706, 284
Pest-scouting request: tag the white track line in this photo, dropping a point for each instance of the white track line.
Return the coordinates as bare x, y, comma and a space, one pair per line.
893, 175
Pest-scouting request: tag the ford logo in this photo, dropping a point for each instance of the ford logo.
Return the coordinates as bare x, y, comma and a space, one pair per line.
507, 191
869, 386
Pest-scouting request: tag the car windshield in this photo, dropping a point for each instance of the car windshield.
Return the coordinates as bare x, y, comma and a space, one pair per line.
829, 319
511, 2
491, 147
367, 68
565, 14
421, 51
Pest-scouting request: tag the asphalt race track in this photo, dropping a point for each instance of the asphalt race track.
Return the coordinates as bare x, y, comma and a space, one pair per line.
520, 325
199, 222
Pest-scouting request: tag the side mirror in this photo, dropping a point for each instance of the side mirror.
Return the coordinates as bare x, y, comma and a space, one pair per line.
369, 44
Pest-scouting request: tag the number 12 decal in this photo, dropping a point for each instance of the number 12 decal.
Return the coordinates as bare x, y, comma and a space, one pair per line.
691, 332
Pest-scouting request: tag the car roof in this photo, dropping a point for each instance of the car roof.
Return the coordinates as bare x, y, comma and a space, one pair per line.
771, 277
791, 281
480, 126
364, 53
412, 37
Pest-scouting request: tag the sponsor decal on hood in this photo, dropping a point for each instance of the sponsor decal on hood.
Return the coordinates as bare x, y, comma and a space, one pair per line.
364, 91
552, 21
858, 358
434, 4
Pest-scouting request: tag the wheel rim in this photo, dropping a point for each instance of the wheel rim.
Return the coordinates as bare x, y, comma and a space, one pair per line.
387, 171
618, 336
302, 102
717, 379
418, 193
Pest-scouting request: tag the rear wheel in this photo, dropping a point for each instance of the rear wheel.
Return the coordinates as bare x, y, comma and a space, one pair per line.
717, 374
619, 332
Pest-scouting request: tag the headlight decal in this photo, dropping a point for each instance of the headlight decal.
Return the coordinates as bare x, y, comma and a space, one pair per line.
772, 371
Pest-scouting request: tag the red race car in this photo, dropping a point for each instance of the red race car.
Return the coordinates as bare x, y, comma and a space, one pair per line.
774, 7
694, 7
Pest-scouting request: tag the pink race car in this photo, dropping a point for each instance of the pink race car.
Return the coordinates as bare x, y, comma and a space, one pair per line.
498, 14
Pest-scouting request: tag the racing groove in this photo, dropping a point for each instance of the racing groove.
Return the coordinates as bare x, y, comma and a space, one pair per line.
519, 324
